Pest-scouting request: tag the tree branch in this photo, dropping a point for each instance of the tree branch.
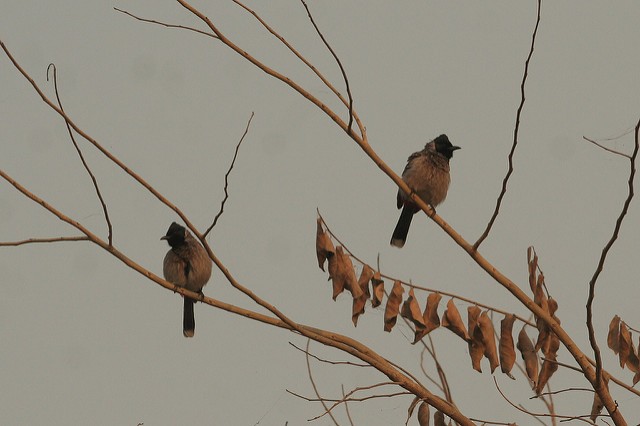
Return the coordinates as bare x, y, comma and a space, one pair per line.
516, 129
327, 410
226, 179
164, 24
333, 53
84, 163
613, 151
599, 383
42, 240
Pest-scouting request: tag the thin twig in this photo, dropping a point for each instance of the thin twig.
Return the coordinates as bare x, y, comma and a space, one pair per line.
562, 391
164, 24
344, 74
515, 135
630, 327
441, 373
488, 422
561, 364
603, 257
226, 179
424, 370
327, 410
345, 102
613, 151
348, 397
42, 240
346, 407
353, 364
95, 143
537, 415
340, 401
84, 163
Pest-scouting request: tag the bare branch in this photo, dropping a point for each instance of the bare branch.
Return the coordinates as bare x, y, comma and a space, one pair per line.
346, 406
84, 163
605, 148
424, 370
95, 143
344, 74
164, 24
515, 135
441, 373
354, 364
599, 384
562, 391
226, 179
348, 104
42, 240
327, 410
537, 415
348, 397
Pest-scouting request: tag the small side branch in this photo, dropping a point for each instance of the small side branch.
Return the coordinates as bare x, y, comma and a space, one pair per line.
84, 163
613, 151
603, 257
42, 240
164, 24
348, 396
354, 364
226, 179
327, 410
344, 74
537, 416
503, 192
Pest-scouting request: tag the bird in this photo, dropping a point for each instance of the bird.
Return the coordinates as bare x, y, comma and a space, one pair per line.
186, 265
427, 174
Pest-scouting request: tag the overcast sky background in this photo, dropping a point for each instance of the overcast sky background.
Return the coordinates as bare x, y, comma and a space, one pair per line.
85, 340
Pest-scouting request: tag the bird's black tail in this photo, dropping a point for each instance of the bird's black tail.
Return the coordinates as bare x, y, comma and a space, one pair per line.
402, 228
188, 320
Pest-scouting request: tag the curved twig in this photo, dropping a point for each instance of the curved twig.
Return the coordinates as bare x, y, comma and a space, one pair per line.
164, 24
84, 163
327, 410
345, 102
333, 53
536, 415
42, 240
346, 406
226, 180
503, 191
603, 257
613, 151
354, 364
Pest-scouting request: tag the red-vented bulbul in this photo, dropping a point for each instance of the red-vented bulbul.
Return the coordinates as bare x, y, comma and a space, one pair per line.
186, 265
427, 174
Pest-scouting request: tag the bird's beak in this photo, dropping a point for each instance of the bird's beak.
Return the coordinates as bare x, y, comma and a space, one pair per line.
164, 237
453, 148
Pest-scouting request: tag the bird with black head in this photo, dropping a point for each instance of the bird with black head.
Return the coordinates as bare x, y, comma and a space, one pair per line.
427, 174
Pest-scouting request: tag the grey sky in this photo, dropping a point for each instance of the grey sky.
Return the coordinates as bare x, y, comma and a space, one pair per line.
86, 340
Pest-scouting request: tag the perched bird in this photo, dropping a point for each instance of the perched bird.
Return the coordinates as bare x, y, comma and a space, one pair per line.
427, 174
186, 265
